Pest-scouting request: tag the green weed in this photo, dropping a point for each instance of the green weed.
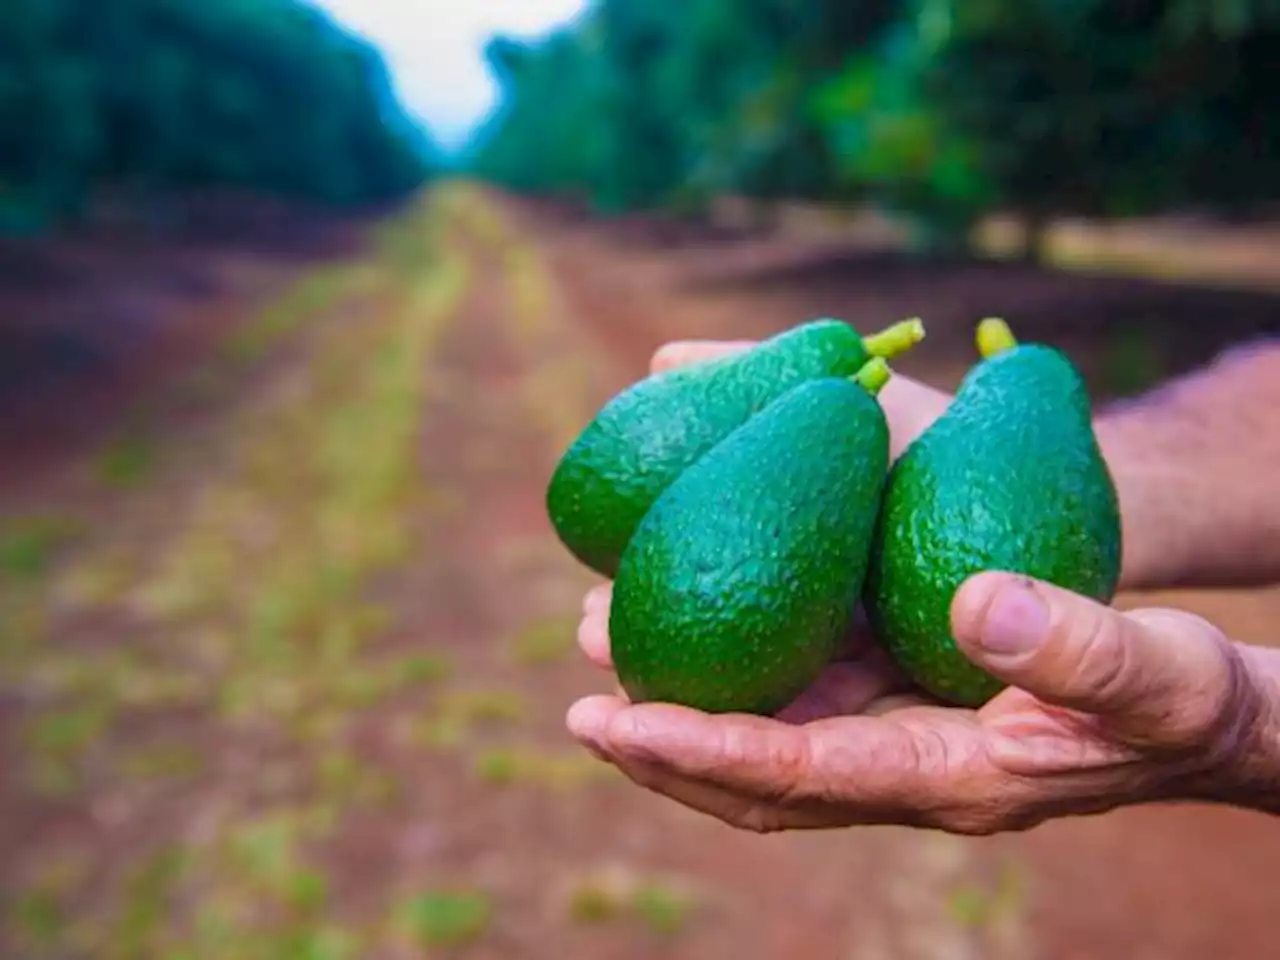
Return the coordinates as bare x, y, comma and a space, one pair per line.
148, 892
68, 731
504, 765
308, 892
126, 462
28, 546
447, 918
470, 707
975, 905
311, 297
327, 943
499, 766
423, 669
969, 906
169, 761
38, 916
593, 901
544, 642
664, 909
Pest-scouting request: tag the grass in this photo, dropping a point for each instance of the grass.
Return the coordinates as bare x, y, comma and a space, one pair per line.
979, 906
127, 461
446, 918
146, 905
253, 612
29, 545
482, 707
250, 609
164, 761
68, 731
423, 669
592, 902
544, 642
312, 297
500, 766
664, 909
38, 916
661, 906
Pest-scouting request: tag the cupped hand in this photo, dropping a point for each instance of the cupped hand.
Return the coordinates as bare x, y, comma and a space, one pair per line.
1104, 709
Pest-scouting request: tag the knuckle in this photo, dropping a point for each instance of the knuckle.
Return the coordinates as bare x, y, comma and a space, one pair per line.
1222, 712
1216, 710
1104, 661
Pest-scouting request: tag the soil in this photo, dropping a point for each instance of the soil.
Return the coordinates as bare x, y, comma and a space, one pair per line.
556, 312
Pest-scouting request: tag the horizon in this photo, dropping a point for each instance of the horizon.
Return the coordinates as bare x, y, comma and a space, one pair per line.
434, 50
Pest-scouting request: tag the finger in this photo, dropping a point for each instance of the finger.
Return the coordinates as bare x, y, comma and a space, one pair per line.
868, 761
593, 639
844, 689
734, 809
593, 629
588, 721
911, 408
679, 353
1158, 678
597, 598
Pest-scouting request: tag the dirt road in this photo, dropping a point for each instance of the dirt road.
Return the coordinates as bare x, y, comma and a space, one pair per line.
296, 690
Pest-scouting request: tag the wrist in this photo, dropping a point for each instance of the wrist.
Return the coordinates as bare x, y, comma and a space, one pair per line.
1249, 776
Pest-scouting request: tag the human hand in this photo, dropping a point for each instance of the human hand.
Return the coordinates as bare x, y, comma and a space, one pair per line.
1104, 709
1100, 713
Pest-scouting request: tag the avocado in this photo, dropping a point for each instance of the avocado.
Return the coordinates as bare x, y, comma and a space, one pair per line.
649, 434
740, 581
1010, 478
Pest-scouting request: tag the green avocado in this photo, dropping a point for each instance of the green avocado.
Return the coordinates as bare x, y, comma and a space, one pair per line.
743, 577
649, 434
1010, 478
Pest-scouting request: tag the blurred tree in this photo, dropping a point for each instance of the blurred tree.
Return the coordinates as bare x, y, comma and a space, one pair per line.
942, 110
161, 95
1107, 108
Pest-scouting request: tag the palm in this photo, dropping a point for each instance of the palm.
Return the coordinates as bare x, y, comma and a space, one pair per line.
860, 741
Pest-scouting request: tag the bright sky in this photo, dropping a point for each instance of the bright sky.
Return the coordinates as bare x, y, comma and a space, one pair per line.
435, 50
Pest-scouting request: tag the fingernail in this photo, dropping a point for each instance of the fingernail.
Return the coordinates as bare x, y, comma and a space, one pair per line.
1017, 621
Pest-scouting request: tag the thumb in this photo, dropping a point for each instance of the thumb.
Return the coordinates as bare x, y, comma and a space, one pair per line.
1159, 677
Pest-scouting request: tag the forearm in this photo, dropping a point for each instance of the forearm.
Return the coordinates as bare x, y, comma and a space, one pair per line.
1197, 468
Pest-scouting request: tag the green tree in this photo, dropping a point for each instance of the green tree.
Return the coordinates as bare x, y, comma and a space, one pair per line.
160, 96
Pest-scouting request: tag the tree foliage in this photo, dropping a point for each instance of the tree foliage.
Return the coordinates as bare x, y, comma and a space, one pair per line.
156, 95
941, 109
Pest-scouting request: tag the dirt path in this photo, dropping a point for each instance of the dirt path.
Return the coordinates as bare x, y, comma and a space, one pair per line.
298, 693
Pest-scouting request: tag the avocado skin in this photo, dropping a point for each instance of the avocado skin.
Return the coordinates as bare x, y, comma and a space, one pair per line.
650, 433
742, 579
1010, 478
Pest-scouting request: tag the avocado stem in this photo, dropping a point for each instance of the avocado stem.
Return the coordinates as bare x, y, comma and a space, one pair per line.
873, 376
994, 337
895, 340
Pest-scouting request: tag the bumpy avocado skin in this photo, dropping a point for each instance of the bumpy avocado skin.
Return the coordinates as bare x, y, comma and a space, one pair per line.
739, 583
649, 434
1010, 478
